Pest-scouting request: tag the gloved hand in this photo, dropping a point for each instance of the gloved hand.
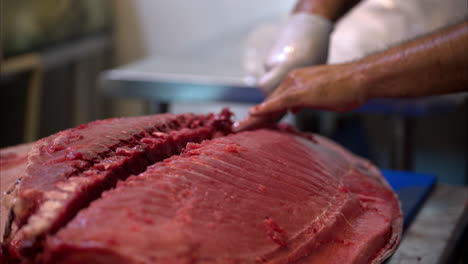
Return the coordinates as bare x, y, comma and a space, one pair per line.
302, 42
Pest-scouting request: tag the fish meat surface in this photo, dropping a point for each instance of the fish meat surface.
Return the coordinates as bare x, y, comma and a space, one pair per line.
255, 197
13, 161
183, 189
68, 170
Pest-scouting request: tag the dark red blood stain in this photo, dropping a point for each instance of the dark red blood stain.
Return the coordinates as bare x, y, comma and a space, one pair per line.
344, 189
224, 121
275, 232
313, 231
82, 126
225, 115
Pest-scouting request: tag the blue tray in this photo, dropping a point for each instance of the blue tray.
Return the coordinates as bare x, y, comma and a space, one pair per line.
412, 190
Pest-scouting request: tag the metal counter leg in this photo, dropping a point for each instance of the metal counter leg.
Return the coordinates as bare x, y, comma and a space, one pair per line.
402, 149
158, 107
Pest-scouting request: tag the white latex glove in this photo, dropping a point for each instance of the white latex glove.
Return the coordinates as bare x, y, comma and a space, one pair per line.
302, 42
388, 23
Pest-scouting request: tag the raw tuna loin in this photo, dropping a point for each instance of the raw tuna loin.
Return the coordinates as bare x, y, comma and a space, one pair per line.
263, 196
13, 161
68, 170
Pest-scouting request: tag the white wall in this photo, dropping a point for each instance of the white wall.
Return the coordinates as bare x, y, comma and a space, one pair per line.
153, 27
163, 27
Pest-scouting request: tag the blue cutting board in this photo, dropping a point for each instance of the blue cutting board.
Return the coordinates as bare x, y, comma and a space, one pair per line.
412, 190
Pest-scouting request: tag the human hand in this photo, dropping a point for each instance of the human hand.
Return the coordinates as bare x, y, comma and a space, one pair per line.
329, 87
302, 42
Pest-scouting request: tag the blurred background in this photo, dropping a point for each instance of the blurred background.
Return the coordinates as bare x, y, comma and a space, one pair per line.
68, 62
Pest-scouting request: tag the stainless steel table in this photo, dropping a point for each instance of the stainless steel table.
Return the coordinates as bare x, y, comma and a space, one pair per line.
437, 228
171, 79
212, 72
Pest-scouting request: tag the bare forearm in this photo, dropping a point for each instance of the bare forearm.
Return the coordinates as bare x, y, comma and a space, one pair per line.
432, 65
330, 9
